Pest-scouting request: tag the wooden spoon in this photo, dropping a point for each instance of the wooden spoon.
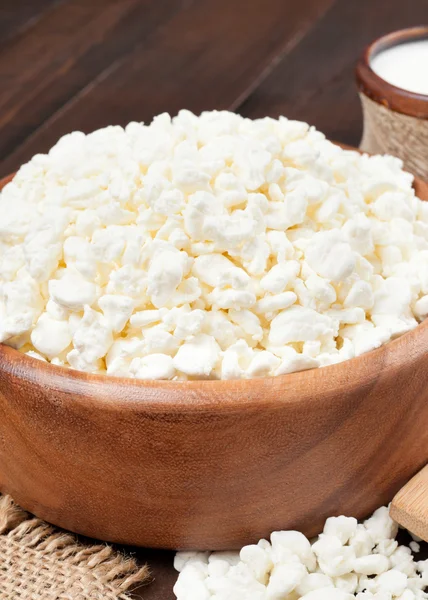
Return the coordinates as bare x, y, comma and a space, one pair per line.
410, 506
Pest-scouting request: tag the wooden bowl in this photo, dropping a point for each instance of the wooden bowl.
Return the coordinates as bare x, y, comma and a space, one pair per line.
395, 120
213, 464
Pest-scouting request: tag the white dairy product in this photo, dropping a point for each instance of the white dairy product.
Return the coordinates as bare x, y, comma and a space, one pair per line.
209, 247
404, 65
347, 561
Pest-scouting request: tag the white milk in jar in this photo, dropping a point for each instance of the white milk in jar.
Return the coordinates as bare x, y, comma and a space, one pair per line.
404, 65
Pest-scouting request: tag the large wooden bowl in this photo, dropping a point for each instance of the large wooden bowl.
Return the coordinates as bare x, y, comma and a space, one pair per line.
213, 465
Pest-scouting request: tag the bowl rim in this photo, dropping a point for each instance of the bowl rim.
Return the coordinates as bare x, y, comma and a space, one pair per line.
309, 388
379, 90
256, 392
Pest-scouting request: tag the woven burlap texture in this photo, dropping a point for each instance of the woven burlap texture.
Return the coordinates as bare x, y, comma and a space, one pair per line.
40, 562
387, 131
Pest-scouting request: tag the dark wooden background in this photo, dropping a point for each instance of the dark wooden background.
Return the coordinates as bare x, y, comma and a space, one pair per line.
83, 64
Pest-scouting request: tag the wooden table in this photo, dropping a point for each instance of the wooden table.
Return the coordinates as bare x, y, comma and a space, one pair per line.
83, 64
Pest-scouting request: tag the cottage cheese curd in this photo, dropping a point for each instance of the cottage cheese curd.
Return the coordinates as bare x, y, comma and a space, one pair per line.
209, 247
348, 561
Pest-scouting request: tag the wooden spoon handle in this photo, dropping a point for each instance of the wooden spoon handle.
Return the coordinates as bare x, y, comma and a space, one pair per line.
410, 506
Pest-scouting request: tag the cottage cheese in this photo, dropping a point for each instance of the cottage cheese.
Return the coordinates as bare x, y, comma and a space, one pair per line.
209, 247
348, 561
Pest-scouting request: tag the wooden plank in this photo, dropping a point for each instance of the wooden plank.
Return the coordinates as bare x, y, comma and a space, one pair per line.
208, 56
410, 506
163, 574
63, 53
15, 15
315, 82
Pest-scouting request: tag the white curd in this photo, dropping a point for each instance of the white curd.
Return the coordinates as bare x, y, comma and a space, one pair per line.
209, 247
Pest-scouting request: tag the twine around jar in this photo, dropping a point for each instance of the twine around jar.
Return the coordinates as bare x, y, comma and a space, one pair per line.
390, 132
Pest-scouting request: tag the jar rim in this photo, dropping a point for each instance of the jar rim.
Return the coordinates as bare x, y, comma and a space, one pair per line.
383, 92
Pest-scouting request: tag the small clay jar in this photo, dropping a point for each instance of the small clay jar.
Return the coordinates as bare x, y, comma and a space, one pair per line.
395, 120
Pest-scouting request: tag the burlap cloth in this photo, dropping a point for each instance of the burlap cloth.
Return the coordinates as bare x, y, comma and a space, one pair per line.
40, 562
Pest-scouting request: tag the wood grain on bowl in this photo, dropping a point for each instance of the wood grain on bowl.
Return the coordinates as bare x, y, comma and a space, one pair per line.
213, 464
